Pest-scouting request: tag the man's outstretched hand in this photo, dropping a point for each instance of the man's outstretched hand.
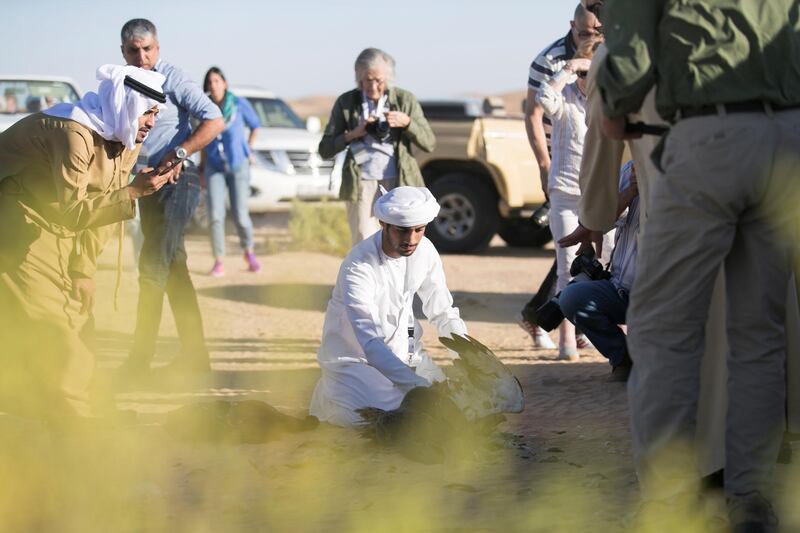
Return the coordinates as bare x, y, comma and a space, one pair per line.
586, 238
147, 182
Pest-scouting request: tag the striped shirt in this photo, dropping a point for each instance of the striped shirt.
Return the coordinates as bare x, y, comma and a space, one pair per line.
623, 258
551, 60
567, 112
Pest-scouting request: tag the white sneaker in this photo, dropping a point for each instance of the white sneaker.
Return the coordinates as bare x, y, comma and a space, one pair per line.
541, 339
583, 342
539, 336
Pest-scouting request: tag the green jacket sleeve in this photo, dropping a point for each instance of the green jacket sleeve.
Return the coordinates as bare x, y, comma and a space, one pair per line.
628, 73
77, 209
419, 131
333, 138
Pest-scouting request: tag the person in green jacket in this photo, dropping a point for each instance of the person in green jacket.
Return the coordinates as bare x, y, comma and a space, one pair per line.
725, 75
376, 123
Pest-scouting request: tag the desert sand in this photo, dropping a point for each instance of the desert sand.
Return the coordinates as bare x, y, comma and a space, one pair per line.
564, 464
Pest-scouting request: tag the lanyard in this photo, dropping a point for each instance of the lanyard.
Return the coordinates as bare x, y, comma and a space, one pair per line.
408, 296
379, 107
407, 306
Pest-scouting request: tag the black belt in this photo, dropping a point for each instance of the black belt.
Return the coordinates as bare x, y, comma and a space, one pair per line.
750, 106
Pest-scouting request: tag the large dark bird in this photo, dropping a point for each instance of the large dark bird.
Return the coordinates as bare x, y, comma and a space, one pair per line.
434, 421
247, 421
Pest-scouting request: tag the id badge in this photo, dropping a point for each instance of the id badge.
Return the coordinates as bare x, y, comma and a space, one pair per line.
359, 151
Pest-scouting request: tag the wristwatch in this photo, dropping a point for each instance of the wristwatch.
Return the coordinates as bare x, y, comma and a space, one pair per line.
181, 152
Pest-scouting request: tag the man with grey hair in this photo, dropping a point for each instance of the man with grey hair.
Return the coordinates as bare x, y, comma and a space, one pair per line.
162, 265
376, 123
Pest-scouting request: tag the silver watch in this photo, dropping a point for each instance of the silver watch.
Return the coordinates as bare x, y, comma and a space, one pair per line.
181, 153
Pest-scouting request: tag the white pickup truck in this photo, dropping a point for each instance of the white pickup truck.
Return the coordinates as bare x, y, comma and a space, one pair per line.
23, 95
287, 164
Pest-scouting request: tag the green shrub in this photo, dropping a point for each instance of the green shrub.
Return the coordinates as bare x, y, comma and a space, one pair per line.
319, 227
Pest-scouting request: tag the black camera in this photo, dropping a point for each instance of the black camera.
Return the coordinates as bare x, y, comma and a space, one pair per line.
585, 267
541, 217
380, 130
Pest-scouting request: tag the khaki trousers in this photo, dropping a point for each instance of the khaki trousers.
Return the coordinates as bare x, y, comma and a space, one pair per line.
359, 213
728, 197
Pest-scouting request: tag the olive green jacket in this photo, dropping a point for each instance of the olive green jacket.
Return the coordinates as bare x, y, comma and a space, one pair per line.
698, 53
345, 117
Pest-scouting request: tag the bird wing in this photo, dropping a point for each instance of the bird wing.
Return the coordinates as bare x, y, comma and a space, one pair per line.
494, 389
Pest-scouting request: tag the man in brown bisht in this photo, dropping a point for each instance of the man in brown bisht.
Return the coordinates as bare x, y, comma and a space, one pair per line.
64, 183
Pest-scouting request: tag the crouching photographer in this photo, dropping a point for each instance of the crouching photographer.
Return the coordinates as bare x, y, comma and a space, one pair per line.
599, 306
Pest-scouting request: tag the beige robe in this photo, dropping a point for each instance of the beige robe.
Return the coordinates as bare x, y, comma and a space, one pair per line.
60, 194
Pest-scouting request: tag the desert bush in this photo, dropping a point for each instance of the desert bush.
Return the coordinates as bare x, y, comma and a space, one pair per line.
319, 227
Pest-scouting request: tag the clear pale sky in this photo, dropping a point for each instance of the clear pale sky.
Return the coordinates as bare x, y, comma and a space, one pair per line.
295, 48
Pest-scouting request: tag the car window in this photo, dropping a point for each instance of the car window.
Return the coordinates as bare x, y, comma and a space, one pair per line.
31, 96
439, 110
275, 113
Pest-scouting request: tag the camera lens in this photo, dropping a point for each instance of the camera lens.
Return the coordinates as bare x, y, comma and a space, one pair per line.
541, 217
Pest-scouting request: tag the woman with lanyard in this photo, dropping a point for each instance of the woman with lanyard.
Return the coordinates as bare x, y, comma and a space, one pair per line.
563, 99
226, 164
376, 123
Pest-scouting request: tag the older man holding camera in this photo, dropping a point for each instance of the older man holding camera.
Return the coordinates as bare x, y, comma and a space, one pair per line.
377, 124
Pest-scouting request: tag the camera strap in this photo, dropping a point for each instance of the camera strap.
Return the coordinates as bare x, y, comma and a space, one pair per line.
380, 107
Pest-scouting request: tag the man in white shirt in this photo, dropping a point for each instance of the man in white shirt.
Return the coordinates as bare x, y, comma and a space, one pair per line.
371, 353
599, 306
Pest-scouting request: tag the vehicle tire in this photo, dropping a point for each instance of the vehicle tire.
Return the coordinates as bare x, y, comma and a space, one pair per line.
468, 217
524, 233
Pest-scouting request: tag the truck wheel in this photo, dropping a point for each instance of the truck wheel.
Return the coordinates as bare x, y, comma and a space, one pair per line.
468, 217
522, 232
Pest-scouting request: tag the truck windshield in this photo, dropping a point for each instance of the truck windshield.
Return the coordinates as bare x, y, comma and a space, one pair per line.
275, 113
31, 96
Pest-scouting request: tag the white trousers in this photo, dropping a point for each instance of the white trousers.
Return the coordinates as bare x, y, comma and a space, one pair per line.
563, 221
346, 386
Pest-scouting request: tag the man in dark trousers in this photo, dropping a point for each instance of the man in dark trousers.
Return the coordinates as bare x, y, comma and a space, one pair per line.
162, 265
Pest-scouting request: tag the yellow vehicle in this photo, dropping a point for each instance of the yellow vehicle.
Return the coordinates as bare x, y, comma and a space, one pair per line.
484, 175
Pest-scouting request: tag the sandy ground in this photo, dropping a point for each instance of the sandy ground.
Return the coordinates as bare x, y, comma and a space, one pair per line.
564, 464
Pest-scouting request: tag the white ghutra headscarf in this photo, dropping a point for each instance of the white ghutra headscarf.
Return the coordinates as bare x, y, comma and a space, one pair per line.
114, 110
406, 207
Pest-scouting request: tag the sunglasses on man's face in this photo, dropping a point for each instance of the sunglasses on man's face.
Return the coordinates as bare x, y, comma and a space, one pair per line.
595, 9
586, 34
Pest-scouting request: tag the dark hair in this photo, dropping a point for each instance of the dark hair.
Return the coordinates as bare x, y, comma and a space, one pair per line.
136, 29
207, 81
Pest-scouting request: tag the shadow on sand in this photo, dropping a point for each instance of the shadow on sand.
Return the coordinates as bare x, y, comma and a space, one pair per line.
478, 306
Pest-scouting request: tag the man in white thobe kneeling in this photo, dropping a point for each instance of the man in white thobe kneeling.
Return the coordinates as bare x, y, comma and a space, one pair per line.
371, 353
